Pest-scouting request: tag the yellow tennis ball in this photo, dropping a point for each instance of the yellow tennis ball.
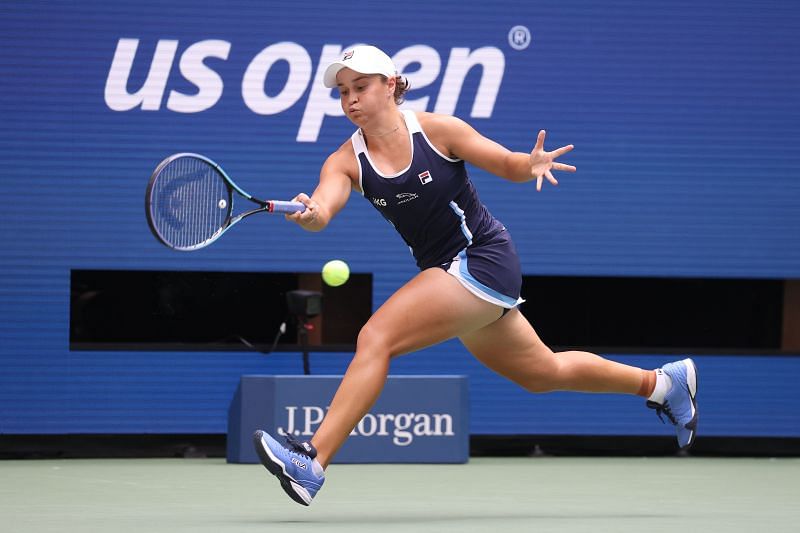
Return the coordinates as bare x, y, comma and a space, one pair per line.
335, 272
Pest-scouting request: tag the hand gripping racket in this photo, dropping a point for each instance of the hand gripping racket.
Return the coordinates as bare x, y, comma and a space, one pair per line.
189, 202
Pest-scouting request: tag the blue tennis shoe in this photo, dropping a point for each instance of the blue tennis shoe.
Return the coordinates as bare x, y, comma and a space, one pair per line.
679, 404
293, 465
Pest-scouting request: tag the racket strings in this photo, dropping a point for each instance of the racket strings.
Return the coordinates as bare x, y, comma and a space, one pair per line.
190, 202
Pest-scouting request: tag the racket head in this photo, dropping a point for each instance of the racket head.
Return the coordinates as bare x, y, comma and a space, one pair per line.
189, 201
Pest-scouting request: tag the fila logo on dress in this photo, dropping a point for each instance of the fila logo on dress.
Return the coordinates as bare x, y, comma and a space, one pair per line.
425, 177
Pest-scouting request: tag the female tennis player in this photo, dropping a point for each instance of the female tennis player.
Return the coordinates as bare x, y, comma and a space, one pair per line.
411, 167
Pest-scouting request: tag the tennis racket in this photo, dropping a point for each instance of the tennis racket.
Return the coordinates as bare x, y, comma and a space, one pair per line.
189, 202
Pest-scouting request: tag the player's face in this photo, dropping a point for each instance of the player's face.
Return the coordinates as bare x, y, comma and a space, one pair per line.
363, 96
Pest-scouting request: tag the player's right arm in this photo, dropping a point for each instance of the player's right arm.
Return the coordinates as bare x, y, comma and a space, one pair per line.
335, 183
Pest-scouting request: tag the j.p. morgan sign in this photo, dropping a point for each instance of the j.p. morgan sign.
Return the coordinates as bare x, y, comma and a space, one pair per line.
417, 419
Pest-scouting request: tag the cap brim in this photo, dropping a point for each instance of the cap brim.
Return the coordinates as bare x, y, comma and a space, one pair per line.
330, 74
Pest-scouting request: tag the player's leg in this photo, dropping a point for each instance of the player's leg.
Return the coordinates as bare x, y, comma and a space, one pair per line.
429, 309
512, 348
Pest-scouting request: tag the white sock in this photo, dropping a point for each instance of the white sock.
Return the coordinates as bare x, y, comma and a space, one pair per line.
316, 467
663, 384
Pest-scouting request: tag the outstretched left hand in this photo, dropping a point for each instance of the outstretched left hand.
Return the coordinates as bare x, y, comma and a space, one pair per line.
543, 163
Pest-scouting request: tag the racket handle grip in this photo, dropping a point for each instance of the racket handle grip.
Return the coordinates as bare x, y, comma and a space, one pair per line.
278, 206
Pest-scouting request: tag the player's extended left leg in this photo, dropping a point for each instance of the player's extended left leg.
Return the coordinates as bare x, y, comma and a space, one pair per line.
511, 347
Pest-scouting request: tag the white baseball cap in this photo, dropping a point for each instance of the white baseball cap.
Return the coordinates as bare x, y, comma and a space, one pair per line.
364, 59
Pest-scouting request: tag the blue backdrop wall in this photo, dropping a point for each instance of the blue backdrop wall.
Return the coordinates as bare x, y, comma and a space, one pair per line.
684, 117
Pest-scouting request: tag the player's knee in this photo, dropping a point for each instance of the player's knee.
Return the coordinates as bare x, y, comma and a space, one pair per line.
546, 378
538, 386
372, 342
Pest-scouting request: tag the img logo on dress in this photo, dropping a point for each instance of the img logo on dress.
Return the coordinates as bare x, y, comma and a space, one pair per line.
425, 177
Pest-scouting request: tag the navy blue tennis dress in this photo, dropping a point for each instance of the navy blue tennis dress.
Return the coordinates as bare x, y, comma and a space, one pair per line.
435, 208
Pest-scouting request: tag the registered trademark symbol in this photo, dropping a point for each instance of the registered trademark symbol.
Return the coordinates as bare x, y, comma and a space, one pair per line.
519, 37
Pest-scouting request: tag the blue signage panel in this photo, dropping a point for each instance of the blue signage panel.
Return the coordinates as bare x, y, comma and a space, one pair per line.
417, 419
684, 135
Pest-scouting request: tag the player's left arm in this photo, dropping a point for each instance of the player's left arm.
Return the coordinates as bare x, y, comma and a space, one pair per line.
464, 142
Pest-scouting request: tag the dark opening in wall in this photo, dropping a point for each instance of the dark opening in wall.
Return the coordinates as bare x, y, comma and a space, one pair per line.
116, 309
125, 309
656, 313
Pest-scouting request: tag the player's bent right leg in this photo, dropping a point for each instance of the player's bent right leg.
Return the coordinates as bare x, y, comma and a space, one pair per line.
294, 466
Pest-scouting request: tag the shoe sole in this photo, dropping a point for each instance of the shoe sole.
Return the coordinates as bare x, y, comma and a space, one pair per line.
691, 384
691, 377
277, 468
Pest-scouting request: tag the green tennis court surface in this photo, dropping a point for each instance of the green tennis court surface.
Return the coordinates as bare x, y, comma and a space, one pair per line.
489, 494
